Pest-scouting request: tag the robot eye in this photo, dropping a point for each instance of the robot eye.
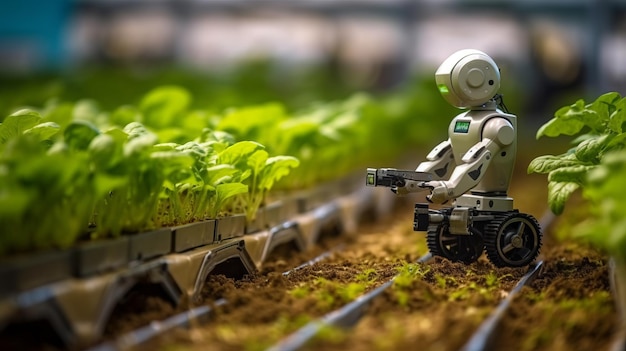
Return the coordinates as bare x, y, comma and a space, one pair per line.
490, 81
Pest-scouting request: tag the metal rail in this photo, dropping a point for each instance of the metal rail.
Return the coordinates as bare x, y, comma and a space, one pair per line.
346, 316
146, 333
184, 319
350, 314
483, 337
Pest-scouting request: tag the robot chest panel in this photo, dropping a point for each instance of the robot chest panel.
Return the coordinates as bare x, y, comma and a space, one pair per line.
464, 133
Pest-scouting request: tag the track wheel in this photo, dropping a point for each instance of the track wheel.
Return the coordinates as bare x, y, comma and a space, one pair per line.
513, 240
456, 248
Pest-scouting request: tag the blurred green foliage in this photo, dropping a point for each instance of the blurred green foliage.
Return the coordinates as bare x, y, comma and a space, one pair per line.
594, 164
250, 83
114, 154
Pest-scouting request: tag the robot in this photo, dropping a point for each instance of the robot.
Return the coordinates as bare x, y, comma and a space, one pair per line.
471, 170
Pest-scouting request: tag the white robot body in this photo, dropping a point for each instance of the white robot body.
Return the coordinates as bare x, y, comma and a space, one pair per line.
494, 179
473, 169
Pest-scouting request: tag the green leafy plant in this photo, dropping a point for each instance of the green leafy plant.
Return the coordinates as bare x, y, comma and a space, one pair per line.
595, 164
606, 226
599, 127
39, 185
176, 157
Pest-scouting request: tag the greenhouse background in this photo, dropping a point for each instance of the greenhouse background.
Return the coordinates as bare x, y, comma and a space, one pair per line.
546, 48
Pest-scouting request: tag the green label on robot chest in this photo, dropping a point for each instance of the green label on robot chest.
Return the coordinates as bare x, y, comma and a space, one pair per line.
461, 126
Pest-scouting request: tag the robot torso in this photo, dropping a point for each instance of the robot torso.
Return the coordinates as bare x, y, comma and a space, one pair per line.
469, 129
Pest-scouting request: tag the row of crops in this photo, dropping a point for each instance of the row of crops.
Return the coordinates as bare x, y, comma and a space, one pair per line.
72, 170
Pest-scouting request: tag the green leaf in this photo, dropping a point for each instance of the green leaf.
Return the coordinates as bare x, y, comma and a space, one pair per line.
218, 172
572, 174
162, 106
228, 190
557, 126
257, 160
617, 142
601, 110
86, 110
62, 114
104, 183
135, 129
139, 145
238, 151
218, 136
606, 104
79, 134
104, 150
17, 123
165, 146
124, 115
253, 122
173, 160
590, 150
224, 192
43, 131
558, 193
618, 117
548, 163
570, 120
275, 168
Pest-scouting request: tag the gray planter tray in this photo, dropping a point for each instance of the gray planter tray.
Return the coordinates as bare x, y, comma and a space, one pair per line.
229, 227
31, 271
189, 236
147, 245
100, 256
267, 217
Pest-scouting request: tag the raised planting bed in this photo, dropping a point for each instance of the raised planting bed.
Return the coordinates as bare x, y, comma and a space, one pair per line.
91, 302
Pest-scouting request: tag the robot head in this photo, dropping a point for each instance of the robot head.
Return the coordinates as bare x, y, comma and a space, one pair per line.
468, 78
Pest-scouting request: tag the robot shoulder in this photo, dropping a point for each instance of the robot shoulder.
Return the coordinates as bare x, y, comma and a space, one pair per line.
500, 130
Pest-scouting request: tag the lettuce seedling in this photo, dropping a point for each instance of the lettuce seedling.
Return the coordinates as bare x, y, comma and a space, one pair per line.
16, 123
46, 198
257, 170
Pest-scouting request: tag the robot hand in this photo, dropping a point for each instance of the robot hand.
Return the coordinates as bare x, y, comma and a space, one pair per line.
409, 187
438, 191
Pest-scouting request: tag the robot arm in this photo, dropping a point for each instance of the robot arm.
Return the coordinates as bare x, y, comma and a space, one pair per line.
439, 160
497, 134
438, 163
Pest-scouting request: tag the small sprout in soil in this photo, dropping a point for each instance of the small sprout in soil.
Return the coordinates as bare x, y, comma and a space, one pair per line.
300, 291
491, 279
368, 276
443, 281
409, 272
